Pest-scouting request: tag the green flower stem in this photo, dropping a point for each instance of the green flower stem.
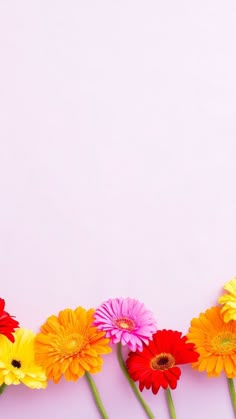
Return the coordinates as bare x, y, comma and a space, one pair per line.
2, 388
96, 396
232, 393
146, 408
170, 404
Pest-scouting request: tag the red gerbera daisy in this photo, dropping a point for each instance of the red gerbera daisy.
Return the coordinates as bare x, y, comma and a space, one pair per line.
7, 323
156, 365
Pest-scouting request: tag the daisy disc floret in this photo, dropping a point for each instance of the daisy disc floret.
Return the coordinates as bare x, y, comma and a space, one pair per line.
157, 365
228, 301
7, 323
215, 341
70, 345
17, 361
126, 320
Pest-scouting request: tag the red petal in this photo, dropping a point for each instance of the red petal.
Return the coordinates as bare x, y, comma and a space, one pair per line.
2, 305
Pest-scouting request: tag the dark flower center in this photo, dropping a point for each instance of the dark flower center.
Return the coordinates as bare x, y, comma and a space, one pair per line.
162, 362
15, 363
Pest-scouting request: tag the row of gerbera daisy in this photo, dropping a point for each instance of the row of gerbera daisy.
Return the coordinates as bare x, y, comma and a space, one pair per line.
72, 343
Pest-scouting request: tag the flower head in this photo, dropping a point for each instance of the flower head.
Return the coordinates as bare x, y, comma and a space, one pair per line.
17, 361
127, 321
215, 341
229, 301
156, 365
7, 323
69, 345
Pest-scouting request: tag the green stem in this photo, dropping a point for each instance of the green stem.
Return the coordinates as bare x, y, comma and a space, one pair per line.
2, 388
232, 393
96, 396
170, 404
146, 408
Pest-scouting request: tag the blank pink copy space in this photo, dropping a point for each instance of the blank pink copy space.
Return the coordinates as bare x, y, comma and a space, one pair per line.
117, 177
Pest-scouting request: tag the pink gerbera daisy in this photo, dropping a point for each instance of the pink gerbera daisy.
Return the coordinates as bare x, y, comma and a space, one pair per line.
127, 321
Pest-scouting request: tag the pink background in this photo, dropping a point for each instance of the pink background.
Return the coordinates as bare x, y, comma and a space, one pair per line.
117, 177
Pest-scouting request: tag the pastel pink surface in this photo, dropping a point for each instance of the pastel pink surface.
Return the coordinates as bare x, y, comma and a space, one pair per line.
117, 178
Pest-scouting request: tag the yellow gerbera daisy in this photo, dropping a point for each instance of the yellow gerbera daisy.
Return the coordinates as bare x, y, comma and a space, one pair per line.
215, 341
69, 345
17, 362
229, 301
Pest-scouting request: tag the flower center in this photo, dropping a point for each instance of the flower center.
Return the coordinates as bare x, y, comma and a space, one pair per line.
15, 363
224, 343
162, 362
72, 344
125, 324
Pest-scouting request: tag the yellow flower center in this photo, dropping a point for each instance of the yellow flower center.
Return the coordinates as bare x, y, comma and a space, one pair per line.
224, 343
72, 344
125, 324
162, 362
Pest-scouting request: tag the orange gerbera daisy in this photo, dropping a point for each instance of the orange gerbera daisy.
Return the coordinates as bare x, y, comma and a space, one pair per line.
215, 341
70, 345
229, 301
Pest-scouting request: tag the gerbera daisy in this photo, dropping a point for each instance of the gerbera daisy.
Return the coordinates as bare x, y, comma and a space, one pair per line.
229, 301
17, 361
70, 345
7, 323
127, 321
156, 366
215, 341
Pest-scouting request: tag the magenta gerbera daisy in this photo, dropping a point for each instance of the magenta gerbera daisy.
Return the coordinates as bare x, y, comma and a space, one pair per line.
127, 321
